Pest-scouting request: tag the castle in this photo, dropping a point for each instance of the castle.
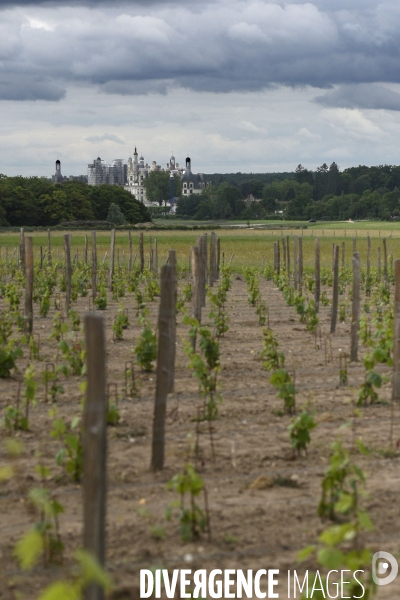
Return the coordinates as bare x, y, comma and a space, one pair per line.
133, 174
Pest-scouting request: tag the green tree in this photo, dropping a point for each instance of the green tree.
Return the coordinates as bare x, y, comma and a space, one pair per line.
55, 208
157, 186
115, 215
103, 195
23, 209
225, 205
302, 175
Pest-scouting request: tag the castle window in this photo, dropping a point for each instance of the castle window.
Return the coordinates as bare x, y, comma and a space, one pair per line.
184, 185
191, 185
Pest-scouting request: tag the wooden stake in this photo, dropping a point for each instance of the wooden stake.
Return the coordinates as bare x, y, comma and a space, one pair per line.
355, 308
284, 253
68, 270
94, 265
396, 341
385, 264
335, 290
112, 259
278, 257
218, 256
172, 263
49, 247
141, 251
155, 257
196, 284
213, 258
317, 274
288, 254
368, 257
130, 251
29, 286
167, 315
203, 267
379, 263
95, 448
22, 249
85, 250
300, 269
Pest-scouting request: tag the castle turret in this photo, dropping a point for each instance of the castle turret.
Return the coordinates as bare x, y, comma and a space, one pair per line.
58, 178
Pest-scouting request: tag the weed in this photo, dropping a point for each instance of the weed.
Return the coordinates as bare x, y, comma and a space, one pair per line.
100, 301
193, 520
9, 353
339, 486
74, 356
158, 532
274, 359
339, 546
59, 327
146, 347
71, 454
75, 320
324, 299
45, 537
121, 322
262, 312
299, 431
286, 390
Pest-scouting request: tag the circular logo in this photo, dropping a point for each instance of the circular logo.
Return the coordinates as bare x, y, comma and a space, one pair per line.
379, 569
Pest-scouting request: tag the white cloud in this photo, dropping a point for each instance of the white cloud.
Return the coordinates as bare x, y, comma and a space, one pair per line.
106, 137
352, 122
305, 134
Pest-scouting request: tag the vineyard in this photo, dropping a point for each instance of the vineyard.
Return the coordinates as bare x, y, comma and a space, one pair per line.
253, 424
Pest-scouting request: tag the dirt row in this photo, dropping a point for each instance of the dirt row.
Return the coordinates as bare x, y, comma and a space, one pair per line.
250, 528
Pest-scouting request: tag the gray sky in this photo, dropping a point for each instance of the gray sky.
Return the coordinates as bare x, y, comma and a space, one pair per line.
239, 85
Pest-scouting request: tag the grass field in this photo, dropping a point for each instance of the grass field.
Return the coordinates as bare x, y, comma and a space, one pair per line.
350, 227
249, 246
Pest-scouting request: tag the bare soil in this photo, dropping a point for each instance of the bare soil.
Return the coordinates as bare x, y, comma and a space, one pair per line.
250, 528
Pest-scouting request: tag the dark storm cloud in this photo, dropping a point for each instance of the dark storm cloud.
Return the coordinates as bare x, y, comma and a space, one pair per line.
361, 96
135, 88
94, 3
138, 48
29, 88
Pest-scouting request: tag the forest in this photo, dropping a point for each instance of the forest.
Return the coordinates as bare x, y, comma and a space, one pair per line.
324, 194
36, 201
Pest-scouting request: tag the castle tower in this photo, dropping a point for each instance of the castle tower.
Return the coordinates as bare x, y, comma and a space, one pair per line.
58, 178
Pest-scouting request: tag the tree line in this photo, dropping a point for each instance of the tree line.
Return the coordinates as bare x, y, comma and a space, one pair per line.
35, 201
326, 193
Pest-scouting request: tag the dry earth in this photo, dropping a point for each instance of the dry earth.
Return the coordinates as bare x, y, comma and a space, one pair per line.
250, 528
